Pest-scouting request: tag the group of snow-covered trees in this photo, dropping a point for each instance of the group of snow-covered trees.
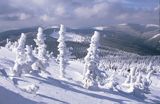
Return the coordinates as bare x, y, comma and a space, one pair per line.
95, 75
96, 70
136, 82
29, 60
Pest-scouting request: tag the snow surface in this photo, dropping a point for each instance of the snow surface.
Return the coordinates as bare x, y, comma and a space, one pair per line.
51, 89
152, 25
154, 37
71, 37
100, 28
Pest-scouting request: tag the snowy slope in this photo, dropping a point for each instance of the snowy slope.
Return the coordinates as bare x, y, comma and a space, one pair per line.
71, 37
154, 37
50, 89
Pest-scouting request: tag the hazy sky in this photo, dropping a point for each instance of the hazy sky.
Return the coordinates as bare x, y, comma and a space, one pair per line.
78, 13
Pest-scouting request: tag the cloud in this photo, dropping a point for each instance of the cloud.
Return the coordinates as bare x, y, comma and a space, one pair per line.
77, 12
15, 17
156, 9
97, 10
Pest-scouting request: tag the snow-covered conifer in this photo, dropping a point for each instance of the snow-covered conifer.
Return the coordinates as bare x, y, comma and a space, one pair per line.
62, 50
41, 45
20, 56
20, 50
132, 74
138, 79
91, 72
21, 43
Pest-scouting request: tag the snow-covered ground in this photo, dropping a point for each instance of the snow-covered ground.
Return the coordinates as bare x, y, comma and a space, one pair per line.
72, 37
154, 37
51, 89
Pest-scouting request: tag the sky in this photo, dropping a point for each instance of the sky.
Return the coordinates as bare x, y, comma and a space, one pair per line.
76, 13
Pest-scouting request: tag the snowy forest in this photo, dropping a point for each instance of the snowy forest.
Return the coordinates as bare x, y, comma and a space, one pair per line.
33, 71
79, 51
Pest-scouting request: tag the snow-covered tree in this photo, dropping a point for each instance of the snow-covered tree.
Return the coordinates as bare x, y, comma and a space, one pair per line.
20, 56
91, 72
16, 70
62, 50
20, 51
41, 45
29, 54
14, 46
149, 67
22, 41
131, 76
34, 65
147, 81
8, 44
139, 79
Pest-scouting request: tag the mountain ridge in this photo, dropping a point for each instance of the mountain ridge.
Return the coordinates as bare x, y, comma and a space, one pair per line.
132, 38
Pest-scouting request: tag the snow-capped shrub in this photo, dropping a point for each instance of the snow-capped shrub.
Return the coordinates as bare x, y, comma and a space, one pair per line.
38, 67
112, 82
92, 75
16, 70
31, 88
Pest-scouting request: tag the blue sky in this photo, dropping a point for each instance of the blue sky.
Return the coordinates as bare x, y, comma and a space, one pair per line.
76, 13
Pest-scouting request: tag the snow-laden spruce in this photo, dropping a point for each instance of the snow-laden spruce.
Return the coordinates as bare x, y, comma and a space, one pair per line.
20, 56
40, 42
40, 63
92, 75
21, 43
62, 50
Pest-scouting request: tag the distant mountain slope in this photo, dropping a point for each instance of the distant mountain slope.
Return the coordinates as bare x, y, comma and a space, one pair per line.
133, 38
